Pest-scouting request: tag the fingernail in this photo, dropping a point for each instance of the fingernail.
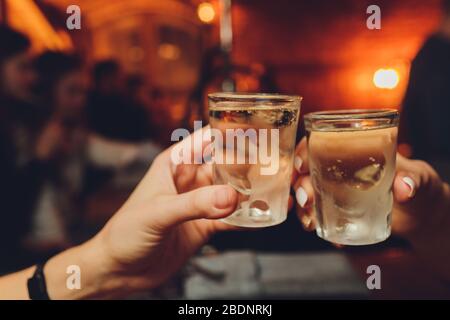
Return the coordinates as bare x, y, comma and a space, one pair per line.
222, 198
301, 197
411, 185
298, 163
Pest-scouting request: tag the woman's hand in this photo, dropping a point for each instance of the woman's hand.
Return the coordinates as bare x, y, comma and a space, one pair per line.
169, 216
172, 212
421, 211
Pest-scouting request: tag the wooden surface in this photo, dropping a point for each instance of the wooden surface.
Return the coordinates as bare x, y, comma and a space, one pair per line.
403, 275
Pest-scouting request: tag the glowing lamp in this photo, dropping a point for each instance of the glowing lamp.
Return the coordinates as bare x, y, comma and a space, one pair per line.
206, 12
386, 78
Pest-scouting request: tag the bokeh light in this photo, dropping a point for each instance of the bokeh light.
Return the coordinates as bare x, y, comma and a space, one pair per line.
386, 78
206, 12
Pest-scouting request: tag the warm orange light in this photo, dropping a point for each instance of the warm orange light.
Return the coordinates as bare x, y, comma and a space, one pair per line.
386, 78
26, 17
206, 12
169, 51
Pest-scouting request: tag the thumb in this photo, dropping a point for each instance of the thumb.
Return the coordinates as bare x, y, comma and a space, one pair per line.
210, 202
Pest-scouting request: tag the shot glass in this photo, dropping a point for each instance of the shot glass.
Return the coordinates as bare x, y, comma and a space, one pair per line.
352, 164
253, 147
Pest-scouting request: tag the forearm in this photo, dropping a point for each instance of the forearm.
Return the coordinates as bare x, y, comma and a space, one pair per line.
95, 281
14, 286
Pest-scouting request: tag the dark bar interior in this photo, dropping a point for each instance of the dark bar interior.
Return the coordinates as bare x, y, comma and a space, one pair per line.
92, 91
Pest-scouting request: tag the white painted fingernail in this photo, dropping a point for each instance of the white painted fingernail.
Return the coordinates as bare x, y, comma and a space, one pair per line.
301, 197
298, 163
410, 183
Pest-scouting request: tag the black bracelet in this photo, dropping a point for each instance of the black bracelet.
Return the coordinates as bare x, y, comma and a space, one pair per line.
37, 288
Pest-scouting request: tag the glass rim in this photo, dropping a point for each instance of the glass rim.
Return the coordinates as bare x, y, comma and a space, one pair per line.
253, 97
349, 114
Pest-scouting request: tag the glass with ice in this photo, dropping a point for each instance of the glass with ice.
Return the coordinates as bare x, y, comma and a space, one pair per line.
254, 142
352, 165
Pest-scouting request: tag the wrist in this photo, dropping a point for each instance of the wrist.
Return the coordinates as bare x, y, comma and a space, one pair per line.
105, 279
84, 265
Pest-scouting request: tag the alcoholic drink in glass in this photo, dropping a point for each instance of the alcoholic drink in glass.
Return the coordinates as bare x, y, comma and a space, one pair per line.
258, 133
352, 165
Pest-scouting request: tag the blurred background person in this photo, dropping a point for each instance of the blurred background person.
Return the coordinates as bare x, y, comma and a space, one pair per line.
217, 73
61, 88
77, 157
111, 112
139, 97
121, 140
22, 166
426, 106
